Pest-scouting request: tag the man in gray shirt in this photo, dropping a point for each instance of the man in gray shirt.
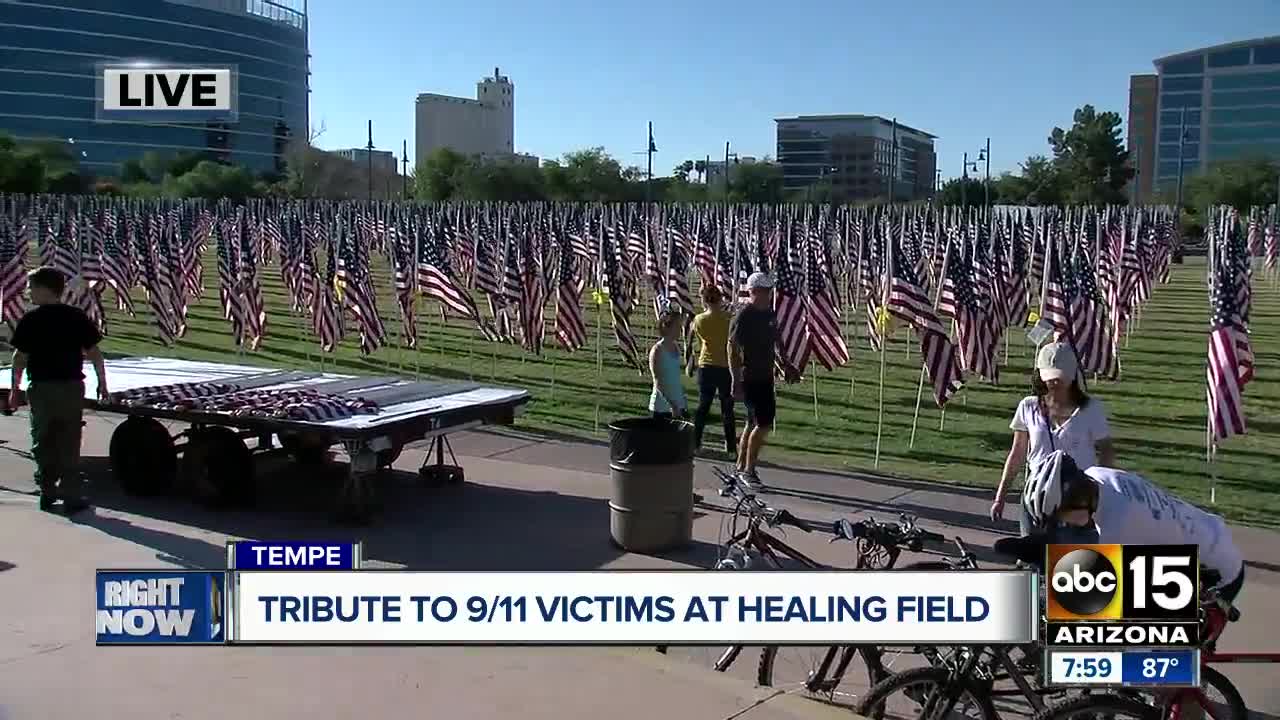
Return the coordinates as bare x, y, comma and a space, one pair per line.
752, 343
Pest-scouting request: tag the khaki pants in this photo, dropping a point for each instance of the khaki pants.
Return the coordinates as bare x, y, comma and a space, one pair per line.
57, 409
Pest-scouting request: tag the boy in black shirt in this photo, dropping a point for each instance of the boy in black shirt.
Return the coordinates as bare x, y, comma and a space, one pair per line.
50, 344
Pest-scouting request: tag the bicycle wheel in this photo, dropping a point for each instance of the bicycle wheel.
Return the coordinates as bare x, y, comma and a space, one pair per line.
1221, 700
783, 666
1099, 707
915, 693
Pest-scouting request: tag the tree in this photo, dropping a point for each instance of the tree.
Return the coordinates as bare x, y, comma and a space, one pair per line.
1241, 184
966, 191
438, 176
1091, 158
683, 169
756, 182
1038, 183
700, 167
585, 176
211, 180
510, 182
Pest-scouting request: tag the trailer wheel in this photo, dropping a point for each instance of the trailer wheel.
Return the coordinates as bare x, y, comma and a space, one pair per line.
218, 468
387, 457
304, 448
143, 458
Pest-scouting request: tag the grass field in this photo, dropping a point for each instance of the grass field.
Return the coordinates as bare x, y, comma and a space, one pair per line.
1157, 409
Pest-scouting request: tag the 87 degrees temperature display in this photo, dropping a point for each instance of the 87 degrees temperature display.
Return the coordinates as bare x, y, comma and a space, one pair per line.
1124, 668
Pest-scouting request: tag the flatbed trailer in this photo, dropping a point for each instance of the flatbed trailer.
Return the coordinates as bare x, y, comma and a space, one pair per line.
216, 464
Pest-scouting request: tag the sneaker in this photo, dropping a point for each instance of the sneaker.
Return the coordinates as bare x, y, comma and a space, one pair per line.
73, 507
47, 502
750, 479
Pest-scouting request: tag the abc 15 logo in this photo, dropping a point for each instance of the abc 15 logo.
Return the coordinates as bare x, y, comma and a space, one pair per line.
1123, 582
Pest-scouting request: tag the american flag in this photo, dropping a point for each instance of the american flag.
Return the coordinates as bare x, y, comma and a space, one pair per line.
909, 301
974, 325
325, 316
436, 279
1091, 335
255, 310
791, 307
116, 261
614, 281
1230, 351
706, 246
14, 242
403, 258
156, 281
233, 300
824, 314
571, 329
359, 293
532, 298
1054, 308
1271, 248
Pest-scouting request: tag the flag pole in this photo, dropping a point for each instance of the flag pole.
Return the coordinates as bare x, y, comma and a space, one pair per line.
937, 298
884, 340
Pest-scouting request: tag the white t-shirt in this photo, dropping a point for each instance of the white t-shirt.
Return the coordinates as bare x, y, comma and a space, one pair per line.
1131, 510
1077, 437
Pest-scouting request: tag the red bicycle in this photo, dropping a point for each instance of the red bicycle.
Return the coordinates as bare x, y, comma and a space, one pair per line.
1217, 615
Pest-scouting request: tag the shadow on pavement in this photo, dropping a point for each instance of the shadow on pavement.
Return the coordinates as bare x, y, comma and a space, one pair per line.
466, 527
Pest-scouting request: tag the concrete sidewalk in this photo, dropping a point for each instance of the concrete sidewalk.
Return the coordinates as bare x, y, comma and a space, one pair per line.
529, 503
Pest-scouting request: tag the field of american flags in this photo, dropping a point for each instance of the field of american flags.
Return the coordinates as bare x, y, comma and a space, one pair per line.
1158, 407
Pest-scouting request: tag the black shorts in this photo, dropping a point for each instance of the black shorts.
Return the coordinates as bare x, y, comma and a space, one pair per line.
761, 403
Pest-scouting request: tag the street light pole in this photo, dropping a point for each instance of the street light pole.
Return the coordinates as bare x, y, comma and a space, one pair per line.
986, 190
964, 182
648, 185
726, 172
369, 149
404, 169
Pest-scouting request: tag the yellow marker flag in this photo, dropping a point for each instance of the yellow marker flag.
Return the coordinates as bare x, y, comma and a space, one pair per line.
339, 287
1033, 317
882, 320
598, 297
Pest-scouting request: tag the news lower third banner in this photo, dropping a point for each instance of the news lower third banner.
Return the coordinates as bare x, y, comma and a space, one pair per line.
631, 607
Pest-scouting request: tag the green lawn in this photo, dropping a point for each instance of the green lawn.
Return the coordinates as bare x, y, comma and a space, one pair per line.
1157, 409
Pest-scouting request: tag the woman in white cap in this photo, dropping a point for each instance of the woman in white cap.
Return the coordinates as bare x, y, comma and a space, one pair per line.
1060, 416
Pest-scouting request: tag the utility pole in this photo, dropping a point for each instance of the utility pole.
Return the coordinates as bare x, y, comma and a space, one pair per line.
964, 182
648, 185
726, 172
404, 172
369, 149
1182, 139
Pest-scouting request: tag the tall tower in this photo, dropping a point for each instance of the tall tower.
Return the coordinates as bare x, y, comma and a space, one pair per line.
498, 95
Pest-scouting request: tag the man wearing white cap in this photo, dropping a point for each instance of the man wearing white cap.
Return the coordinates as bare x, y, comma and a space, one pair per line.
752, 350
1059, 416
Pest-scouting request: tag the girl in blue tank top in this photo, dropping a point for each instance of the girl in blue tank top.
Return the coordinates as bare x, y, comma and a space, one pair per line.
667, 399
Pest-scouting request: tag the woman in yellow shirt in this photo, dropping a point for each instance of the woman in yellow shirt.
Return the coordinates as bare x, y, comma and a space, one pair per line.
712, 328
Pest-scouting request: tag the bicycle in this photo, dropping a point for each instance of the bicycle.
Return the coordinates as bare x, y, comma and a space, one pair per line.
744, 547
879, 546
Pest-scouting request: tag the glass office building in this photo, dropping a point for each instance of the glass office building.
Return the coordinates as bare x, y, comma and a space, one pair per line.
49, 50
1217, 103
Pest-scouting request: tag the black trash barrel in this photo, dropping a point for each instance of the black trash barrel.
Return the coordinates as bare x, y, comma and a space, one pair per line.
651, 470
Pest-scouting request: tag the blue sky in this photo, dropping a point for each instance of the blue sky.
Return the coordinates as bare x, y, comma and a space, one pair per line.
707, 71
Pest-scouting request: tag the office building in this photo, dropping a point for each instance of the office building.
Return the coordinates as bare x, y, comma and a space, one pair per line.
49, 48
1143, 99
1216, 103
481, 126
383, 160
855, 155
